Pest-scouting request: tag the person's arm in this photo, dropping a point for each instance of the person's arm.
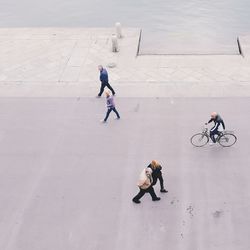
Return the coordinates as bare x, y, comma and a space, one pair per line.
109, 103
223, 124
141, 183
102, 77
210, 120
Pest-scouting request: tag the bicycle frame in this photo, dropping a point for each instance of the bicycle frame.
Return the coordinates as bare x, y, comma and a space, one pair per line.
225, 138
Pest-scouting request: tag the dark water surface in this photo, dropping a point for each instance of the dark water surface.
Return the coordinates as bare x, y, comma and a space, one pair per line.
171, 25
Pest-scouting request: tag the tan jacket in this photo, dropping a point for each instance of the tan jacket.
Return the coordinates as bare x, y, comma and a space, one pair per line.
145, 179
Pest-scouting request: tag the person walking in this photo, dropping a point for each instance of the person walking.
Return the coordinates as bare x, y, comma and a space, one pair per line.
145, 186
104, 81
111, 107
157, 174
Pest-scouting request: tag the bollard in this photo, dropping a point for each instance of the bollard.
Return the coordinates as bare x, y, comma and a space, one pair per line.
118, 29
114, 43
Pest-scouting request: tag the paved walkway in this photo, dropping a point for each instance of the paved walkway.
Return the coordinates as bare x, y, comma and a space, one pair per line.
67, 180
55, 155
63, 62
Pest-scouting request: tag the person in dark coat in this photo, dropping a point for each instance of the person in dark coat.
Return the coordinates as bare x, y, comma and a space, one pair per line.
218, 127
104, 81
110, 106
157, 174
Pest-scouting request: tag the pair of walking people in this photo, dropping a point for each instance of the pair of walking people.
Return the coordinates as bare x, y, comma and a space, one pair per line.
109, 98
148, 179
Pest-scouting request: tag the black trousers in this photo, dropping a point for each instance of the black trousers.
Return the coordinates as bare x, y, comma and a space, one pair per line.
149, 190
156, 177
213, 133
103, 85
109, 111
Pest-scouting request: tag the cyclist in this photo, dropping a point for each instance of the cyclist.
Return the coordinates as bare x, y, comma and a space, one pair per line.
218, 127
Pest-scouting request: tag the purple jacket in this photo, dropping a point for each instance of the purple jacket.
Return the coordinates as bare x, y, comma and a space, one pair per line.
110, 102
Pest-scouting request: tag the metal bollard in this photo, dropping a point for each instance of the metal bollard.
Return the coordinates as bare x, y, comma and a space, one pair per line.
114, 43
118, 29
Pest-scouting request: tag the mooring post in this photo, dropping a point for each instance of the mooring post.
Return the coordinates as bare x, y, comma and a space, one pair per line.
118, 29
114, 43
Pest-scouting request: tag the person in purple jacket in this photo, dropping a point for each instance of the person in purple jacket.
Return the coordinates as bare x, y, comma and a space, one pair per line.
111, 106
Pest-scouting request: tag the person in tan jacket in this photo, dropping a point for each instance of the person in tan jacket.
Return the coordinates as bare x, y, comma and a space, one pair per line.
145, 185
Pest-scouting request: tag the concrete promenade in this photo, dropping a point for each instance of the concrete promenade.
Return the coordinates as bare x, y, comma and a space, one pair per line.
66, 180
62, 62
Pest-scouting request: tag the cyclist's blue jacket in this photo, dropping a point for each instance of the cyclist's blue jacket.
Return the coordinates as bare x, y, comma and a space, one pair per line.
218, 122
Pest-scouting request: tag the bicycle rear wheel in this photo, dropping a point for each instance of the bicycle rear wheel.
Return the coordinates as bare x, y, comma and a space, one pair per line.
227, 140
199, 140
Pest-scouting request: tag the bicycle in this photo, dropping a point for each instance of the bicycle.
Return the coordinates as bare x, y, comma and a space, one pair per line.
225, 138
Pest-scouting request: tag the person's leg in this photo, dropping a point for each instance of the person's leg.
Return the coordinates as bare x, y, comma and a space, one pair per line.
217, 133
109, 86
137, 198
101, 89
116, 112
212, 133
163, 190
107, 114
155, 177
152, 193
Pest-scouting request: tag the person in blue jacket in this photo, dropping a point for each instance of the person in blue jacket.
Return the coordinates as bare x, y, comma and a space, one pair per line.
104, 81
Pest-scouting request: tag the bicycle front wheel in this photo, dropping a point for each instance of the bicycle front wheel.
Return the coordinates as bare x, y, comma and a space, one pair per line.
199, 140
227, 140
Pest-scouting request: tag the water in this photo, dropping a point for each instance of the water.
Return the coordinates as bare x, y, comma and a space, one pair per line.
171, 25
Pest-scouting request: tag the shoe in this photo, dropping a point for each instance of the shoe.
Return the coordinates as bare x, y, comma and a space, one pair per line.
136, 201
103, 121
98, 96
117, 118
156, 199
163, 190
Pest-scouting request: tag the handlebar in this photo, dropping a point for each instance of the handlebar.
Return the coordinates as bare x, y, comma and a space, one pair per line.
204, 128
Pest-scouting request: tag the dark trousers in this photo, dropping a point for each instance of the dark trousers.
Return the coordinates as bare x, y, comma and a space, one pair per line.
108, 112
149, 190
103, 85
155, 178
213, 133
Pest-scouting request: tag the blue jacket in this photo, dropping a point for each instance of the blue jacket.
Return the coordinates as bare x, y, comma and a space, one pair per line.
104, 76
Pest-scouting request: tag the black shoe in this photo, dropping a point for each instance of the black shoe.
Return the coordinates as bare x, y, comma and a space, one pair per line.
163, 190
136, 201
156, 199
